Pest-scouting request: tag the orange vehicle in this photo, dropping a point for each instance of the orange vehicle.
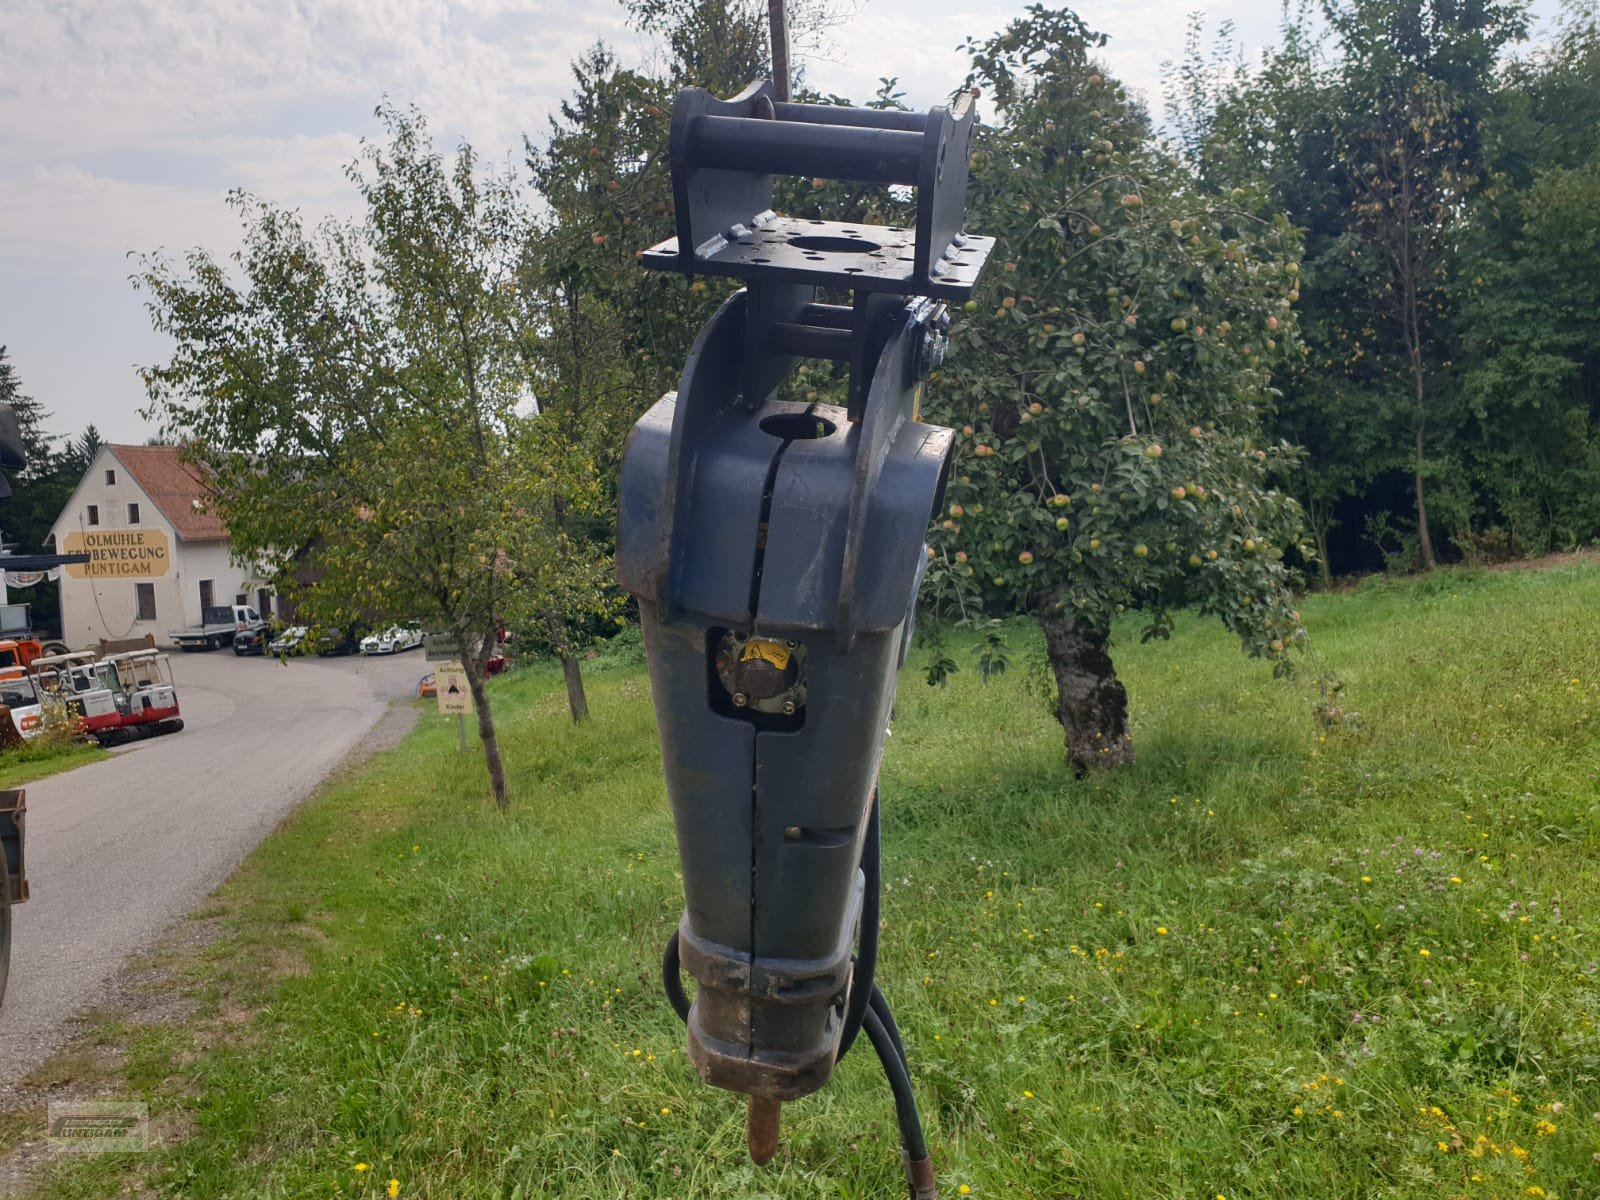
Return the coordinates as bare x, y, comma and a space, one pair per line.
19, 643
17, 655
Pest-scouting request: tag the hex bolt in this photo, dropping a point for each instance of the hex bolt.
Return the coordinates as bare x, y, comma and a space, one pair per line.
788, 708
792, 832
740, 699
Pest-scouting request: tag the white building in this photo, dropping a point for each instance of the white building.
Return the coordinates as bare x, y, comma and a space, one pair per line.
159, 555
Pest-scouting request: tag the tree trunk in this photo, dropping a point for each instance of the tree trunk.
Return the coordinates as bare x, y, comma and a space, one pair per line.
1425, 540
1418, 380
1321, 519
486, 734
1092, 704
577, 702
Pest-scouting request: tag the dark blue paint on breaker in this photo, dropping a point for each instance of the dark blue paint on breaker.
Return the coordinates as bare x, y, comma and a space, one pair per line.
775, 550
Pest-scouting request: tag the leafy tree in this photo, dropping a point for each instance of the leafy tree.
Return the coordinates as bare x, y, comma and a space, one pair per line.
1372, 141
1528, 293
616, 335
80, 451
38, 446
717, 44
1109, 388
42, 488
1413, 85
1267, 129
355, 397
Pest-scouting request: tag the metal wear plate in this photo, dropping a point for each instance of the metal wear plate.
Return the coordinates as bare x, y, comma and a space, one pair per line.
873, 258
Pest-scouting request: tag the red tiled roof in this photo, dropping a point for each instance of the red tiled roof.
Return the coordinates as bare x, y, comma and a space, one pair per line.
179, 490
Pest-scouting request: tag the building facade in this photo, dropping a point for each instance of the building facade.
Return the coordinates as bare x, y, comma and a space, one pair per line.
158, 554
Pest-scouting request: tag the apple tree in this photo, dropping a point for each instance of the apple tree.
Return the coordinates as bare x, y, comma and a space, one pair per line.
1109, 383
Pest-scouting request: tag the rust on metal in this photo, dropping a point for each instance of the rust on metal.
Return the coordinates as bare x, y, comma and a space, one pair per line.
919, 1171
761, 1134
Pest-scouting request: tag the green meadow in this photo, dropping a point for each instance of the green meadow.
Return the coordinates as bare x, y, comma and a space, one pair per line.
1292, 953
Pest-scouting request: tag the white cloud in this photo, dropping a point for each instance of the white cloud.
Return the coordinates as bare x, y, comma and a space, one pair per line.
61, 213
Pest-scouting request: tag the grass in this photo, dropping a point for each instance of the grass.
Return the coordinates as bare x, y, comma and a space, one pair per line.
41, 758
1275, 958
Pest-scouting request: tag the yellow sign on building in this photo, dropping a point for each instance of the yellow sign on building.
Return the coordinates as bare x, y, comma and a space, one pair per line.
119, 553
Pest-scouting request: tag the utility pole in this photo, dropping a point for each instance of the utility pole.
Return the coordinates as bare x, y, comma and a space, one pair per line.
780, 49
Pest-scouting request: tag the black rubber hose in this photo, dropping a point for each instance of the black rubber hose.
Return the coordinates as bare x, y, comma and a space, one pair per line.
880, 1004
861, 986
672, 979
905, 1103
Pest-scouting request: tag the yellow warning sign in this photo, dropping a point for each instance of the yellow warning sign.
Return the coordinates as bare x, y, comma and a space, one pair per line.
775, 653
451, 680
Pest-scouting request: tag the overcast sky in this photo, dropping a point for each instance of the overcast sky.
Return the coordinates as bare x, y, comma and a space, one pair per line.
123, 123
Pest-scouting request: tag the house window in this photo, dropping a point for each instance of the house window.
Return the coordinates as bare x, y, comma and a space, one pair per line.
133, 514
264, 602
207, 599
94, 514
144, 595
111, 478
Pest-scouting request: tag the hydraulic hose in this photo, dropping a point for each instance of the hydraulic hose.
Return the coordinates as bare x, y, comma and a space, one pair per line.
672, 979
866, 967
919, 1169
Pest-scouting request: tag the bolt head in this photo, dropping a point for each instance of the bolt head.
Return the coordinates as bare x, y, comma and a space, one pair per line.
740, 699
788, 708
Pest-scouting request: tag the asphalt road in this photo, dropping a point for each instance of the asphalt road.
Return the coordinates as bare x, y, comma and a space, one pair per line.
121, 849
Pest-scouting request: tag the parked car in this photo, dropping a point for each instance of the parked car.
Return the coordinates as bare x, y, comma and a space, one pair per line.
392, 640
333, 640
219, 624
291, 641
251, 641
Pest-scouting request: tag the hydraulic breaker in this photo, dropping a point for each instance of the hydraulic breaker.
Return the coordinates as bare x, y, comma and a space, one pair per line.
775, 549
